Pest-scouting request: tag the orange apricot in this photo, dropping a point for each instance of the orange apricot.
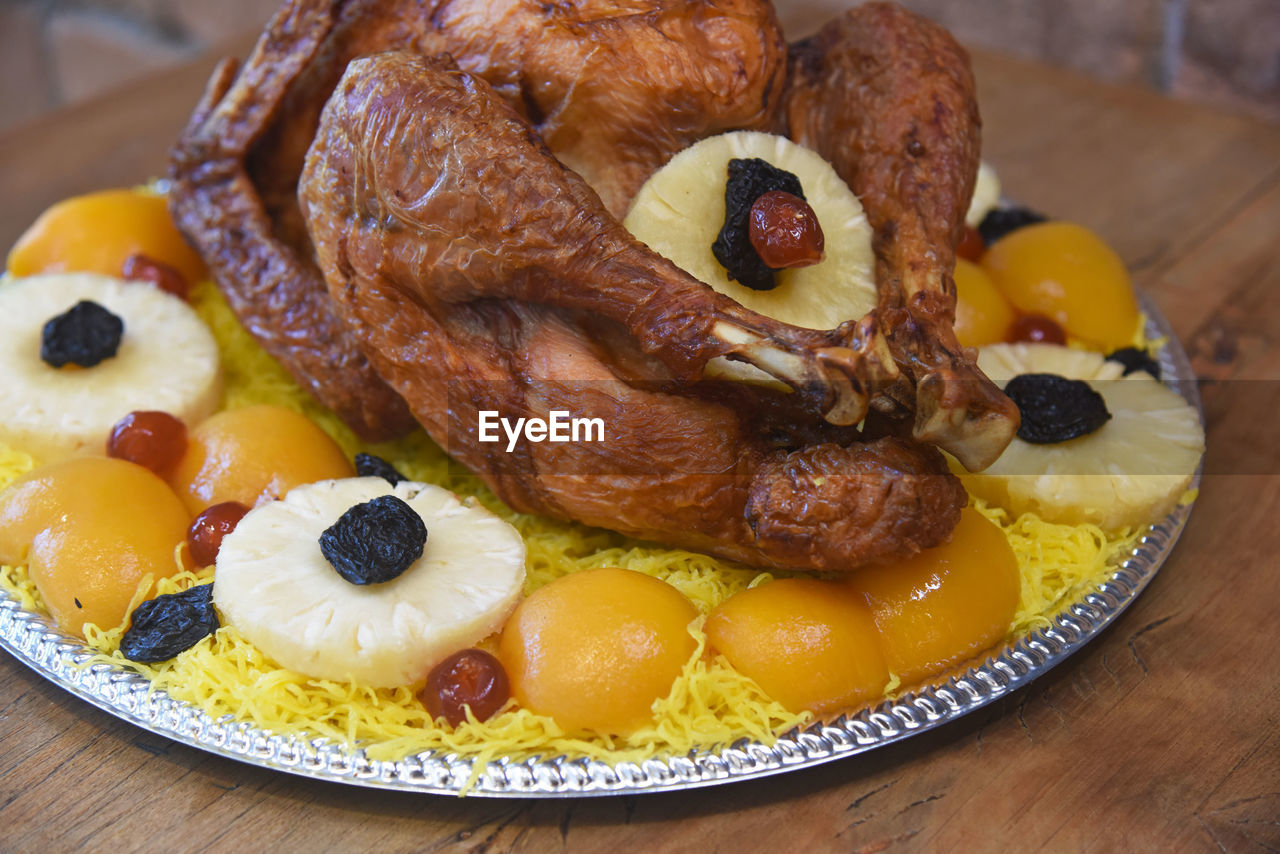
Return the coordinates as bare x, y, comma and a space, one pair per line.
98, 232
809, 644
89, 529
254, 454
983, 315
946, 604
1067, 273
595, 649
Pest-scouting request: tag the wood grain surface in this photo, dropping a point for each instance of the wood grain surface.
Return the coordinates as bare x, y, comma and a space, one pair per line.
1160, 735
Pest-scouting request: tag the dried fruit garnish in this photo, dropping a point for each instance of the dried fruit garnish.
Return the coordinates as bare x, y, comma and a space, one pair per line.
1055, 409
371, 465
1001, 221
84, 335
374, 542
1135, 359
749, 179
169, 624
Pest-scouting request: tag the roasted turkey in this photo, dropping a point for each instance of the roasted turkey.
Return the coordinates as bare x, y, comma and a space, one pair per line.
455, 233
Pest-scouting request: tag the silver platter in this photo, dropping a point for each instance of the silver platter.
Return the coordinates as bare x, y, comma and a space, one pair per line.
59, 658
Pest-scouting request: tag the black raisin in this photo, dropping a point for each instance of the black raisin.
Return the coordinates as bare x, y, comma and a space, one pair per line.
375, 541
1055, 409
1135, 359
84, 334
369, 465
169, 624
1001, 221
749, 179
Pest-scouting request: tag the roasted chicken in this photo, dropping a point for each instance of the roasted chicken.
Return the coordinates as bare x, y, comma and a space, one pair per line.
460, 199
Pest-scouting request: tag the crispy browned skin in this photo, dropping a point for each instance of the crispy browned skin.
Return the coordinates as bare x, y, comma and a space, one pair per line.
888, 97
616, 89
275, 289
452, 241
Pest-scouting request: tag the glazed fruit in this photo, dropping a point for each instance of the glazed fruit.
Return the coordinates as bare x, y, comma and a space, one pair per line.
469, 679
1036, 329
152, 439
1065, 272
680, 210
210, 528
809, 644
89, 529
983, 315
946, 604
254, 454
595, 649
970, 247
273, 583
1129, 472
167, 359
98, 232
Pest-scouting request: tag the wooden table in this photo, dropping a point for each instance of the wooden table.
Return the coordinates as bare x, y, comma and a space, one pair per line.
1160, 735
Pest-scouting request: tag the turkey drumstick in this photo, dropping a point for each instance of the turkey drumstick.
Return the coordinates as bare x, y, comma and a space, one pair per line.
888, 98
471, 264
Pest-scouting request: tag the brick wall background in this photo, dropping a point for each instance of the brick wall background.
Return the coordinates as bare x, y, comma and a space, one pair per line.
57, 52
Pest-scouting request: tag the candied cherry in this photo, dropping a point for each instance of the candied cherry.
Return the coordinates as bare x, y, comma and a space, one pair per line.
152, 439
471, 678
971, 245
596, 648
141, 268
809, 644
1067, 273
983, 315
1037, 329
946, 604
784, 231
89, 529
254, 454
205, 535
98, 232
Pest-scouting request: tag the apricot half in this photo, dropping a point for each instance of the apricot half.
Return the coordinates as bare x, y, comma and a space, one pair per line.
98, 232
946, 604
1067, 273
809, 644
595, 649
89, 529
254, 454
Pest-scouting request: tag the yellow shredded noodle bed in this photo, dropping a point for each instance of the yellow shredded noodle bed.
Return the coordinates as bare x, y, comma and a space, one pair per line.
709, 705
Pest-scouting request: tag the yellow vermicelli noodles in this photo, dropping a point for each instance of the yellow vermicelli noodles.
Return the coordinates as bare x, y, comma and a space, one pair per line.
710, 704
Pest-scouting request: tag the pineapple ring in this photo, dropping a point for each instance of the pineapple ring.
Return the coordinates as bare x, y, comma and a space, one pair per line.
274, 585
1126, 474
168, 360
680, 209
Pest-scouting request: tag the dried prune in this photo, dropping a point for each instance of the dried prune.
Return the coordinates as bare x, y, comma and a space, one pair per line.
369, 465
1054, 408
749, 179
374, 542
1001, 221
169, 624
84, 335
1135, 359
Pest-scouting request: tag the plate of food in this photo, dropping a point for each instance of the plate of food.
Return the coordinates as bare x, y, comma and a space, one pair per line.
469, 412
